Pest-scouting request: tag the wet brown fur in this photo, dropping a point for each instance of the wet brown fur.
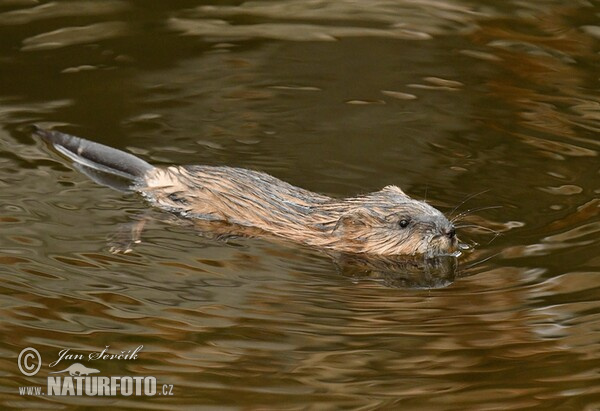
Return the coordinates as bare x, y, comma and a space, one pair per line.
367, 224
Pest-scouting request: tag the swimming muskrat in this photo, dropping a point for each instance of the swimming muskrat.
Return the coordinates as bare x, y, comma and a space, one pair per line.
385, 223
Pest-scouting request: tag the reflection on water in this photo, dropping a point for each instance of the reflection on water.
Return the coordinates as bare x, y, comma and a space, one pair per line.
447, 99
400, 272
69, 36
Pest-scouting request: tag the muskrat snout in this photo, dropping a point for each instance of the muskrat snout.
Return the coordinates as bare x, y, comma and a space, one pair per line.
444, 240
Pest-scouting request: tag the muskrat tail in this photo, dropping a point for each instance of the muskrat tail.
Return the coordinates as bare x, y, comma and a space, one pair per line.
95, 160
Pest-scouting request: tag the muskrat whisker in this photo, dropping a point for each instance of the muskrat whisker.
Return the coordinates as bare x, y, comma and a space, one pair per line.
478, 226
482, 261
496, 233
467, 199
471, 211
493, 238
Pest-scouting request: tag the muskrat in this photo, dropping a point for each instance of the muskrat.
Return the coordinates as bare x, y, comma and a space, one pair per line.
384, 223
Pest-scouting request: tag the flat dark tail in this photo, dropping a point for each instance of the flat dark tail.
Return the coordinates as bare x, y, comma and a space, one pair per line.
97, 161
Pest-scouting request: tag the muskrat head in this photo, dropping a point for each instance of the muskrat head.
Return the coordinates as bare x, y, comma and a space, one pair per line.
389, 222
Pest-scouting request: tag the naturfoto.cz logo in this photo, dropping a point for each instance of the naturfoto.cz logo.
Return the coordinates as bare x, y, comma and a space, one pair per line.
78, 379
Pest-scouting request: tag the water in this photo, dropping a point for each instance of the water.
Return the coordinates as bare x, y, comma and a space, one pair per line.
446, 99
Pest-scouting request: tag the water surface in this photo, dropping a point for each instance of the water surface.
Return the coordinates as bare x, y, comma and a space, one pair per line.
446, 99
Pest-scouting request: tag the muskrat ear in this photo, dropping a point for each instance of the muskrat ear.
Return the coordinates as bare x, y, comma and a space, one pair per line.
354, 218
394, 190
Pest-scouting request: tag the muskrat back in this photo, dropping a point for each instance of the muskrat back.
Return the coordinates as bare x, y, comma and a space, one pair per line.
387, 222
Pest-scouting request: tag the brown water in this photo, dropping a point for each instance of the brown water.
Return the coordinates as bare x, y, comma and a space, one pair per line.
443, 98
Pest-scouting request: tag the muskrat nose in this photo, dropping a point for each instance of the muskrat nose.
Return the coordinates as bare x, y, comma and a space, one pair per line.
451, 232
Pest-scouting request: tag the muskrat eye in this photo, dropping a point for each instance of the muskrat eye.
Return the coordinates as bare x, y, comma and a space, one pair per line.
403, 223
